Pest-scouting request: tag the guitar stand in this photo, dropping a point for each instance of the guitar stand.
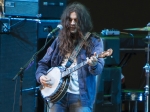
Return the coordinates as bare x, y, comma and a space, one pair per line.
35, 94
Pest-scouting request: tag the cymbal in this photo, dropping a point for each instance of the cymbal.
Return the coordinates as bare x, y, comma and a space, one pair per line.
139, 29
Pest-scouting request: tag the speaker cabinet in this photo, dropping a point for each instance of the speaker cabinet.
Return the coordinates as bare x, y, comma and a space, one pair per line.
46, 26
17, 46
108, 90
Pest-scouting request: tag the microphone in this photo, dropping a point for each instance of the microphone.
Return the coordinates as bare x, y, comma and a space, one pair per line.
59, 27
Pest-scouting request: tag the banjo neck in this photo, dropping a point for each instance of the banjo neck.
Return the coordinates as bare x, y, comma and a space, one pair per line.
69, 71
101, 55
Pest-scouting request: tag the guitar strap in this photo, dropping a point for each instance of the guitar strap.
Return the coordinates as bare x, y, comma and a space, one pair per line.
77, 49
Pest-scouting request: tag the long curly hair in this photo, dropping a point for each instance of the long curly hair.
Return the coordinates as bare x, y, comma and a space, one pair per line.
68, 41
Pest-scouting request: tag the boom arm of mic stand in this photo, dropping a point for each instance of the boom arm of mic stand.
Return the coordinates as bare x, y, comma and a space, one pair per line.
22, 69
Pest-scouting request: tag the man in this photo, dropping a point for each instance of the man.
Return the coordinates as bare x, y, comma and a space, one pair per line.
80, 95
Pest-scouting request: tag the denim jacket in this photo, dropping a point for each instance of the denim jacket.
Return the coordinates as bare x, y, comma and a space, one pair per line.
86, 74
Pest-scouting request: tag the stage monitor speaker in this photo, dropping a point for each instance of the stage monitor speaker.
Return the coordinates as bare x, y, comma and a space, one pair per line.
108, 90
43, 9
17, 46
114, 43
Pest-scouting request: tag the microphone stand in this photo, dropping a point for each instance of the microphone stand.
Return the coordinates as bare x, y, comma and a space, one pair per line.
26, 66
147, 68
147, 71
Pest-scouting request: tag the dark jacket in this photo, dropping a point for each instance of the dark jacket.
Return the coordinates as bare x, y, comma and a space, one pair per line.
86, 74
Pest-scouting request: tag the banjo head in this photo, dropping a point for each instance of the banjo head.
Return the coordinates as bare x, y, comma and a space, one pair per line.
55, 75
59, 86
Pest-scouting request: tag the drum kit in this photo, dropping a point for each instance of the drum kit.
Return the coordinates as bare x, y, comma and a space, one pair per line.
141, 95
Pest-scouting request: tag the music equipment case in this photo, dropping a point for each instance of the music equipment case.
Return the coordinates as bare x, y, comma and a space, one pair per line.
46, 9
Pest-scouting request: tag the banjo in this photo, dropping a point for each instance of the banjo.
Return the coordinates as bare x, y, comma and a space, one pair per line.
59, 79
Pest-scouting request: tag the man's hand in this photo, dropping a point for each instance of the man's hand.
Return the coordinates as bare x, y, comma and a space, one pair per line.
92, 61
46, 82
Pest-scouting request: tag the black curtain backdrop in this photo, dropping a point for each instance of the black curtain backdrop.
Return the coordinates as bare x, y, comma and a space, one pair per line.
117, 14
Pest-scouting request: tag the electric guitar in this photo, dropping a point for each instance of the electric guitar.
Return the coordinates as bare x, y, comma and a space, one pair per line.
59, 79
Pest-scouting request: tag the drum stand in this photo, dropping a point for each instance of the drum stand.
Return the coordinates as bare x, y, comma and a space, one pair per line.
135, 106
147, 70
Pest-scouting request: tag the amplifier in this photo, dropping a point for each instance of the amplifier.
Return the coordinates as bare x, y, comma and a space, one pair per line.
46, 9
46, 26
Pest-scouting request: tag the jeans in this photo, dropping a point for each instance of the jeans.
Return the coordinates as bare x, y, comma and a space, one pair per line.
69, 103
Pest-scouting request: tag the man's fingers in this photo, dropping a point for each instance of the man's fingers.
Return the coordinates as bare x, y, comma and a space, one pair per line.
94, 53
